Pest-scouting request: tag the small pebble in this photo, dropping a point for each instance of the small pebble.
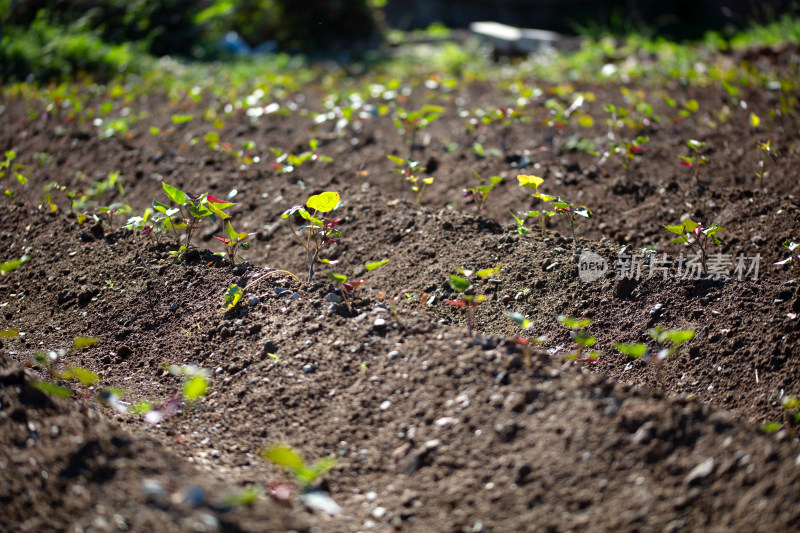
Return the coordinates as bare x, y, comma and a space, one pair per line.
371, 496
394, 354
378, 513
253, 300
333, 298
295, 296
379, 323
385, 405
308, 369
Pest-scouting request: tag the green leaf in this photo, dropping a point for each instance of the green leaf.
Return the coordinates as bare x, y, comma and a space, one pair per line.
174, 194
680, 240
531, 182
10, 266
9, 333
676, 336
181, 119
574, 323
372, 266
755, 121
675, 229
324, 202
494, 180
284, 456
84, 342
50, 388
247, 496
459, 284
231, 298
86, 377
313, 144
486, 272
397, 160
11, 155
692, 105
195, 387
337, 277
770, 427
632, 350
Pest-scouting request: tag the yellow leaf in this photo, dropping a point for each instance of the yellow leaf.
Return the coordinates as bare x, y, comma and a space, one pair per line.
755, 121
324, 202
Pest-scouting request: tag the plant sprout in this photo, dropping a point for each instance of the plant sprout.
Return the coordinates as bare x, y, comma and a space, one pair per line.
462, 285
571, 211
766, 153
533, 182
319, 231
349, 288
9, 168
233, 241
577, 327
289, 459
409, 169
694, 161
192, 209
697, 237
481, 192
668, 343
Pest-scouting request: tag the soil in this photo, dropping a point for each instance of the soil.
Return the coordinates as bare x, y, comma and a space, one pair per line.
436, 426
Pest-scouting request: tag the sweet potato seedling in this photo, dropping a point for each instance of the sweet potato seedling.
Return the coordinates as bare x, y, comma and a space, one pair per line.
694, 161
233, 241
533, 182
8, 169
409, 170
577, 327
292, 461
698, 237
667, 344
319, 232
525, 344
191, 210
766, 153
571, 211
349, 288
463, 286
481, 192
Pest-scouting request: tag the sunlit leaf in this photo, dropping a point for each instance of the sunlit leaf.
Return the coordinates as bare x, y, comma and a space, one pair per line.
195, 387
574, 323
284, 456
10, 266
86, 377
85, 342
459, 284
324, 202
50, 388
632, 350
373, 266
231, 297
9, 333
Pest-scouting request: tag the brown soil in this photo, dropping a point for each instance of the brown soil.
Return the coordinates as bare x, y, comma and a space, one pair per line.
433, 429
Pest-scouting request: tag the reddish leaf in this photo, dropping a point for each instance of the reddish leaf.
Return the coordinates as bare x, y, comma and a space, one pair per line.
457, 303
685, 163
214, 199
223, 239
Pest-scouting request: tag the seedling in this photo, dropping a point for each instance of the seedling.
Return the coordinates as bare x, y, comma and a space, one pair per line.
117, 208
286, 162
319, 231
697, 237
231, 298
766, 153
9, 168
233, 241
522, 342
694, 161
533, 182
409, 170
349, 288
10, 266
481, 192
571, 211
667, 344
577, 327
794, 259
627, 150
191, 209
463, 285
408, 123
293, 462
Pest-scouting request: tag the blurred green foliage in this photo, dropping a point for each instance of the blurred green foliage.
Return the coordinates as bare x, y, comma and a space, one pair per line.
51, 39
